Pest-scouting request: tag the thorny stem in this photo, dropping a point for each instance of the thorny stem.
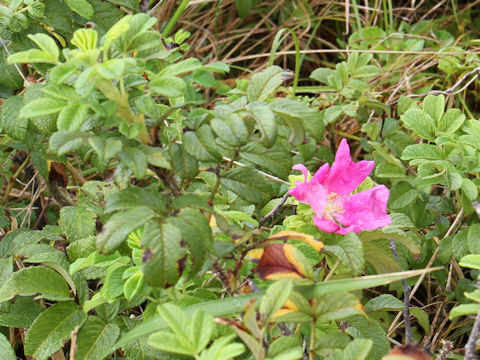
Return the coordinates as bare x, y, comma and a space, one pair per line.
406, 297
217, 171
275, 209
472, 340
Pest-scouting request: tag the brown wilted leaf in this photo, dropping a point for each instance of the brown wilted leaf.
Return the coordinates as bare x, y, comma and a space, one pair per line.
408, 352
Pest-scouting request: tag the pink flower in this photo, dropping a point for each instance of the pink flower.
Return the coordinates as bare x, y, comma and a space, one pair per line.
328, 193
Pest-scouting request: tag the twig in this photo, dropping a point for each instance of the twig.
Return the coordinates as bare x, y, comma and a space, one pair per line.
15, 64
451, 90
274, 210
73, 346
429, 265
472, 340
406, 297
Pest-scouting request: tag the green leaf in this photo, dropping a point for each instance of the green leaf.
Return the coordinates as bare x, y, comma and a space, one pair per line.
451, 121
402, 194
41, 107
201, 329
384, 302
54, 259
51, 328
135, 159
293, 119
221, 349
106, 148
265, 83
332, 113
10, 123
422, 151
133, 197
95, 339
358, 349
72, 116
162, 243
177, 321
21, 313
196, 232
471, 261
184, 165
473, 238
420, 122
63, 142
275, 297
464, 309
76, 222
422, 318
368, 328
469, 189
312, 119
285, 348
35, 280
31, 56
6, 349
10, 76
62, 72
46, 44
201, 144
276, 160
434, 106
392, 233
120, 225
349, 250
170, 86
81, 7
170, 343
248, 184
266, 122
224, 132
182, 67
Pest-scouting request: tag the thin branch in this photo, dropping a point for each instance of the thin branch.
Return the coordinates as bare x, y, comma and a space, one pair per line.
429, 265
275, 209
472, 340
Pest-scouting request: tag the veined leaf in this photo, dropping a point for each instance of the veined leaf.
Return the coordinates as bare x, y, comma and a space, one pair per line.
10, 123
95, 339
6, 349
117, 228
163, 255
76, 222
201, 144
35, 280
81, 7
51, 328
349, 250
63, 142
420, 122
248, 184
41, 107
72, 116
264, 84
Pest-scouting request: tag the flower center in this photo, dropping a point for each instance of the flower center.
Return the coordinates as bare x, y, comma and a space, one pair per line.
333, 207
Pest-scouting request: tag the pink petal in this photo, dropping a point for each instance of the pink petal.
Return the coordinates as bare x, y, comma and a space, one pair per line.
312, 192
365, 211
345, 175
302, 168
328, 226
